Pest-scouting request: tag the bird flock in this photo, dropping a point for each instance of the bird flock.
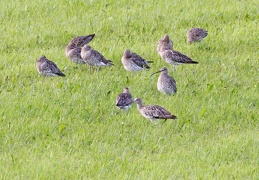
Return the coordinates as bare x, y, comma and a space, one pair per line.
79, 52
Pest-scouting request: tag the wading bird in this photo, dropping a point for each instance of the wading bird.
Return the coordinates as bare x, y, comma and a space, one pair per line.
46, 67
196, 35
165, 83
73, 49
93, 57
171, 56
124, 100
133, 62
153, 112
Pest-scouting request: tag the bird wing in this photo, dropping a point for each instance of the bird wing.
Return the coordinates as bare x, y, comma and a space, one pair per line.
124, 99
98, 56
157, 112
201, 33
82, 40
139, 62
51, 67
170, 80
181, 58
76, 53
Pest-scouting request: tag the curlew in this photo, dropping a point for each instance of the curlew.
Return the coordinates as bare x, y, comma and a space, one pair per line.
196, 35
165, 84
133, 62
166, 52
153, 112
124, 99
176, 58
74, 54
46, 67
164, 43
73, 49
93, 57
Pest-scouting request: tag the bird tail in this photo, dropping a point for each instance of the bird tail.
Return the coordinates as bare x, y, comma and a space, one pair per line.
193, 62
174, 117
146, 66
110, 63
61, 74
150, 61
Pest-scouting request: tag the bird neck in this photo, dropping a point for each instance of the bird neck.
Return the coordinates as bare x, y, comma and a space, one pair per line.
139, 105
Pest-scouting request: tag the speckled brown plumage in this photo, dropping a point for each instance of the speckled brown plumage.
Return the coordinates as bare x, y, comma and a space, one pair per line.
46, 67
164, 44
124, 100
93, 57
73, 52
166, 52
133, 62
153, 112
165, 84
73, 49
176, 58
196, 35
80, 41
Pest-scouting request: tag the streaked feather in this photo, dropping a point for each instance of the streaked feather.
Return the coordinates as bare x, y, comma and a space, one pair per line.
93, 57
196, 35
153, 112
46, 67
82, 40
164, 43
133, 62
124, 100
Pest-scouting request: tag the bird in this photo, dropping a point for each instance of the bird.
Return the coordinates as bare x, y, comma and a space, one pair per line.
175, 58
153, 112
133, 62
166, 52
46, 67
165, 84
164, 43
73, 52
73, 49
124, 100
93, 57
82, 40
196, 35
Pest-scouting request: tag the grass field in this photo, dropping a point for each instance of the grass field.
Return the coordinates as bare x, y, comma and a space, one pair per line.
69, 128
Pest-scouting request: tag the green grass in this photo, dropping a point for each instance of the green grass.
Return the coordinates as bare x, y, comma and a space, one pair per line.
69, 128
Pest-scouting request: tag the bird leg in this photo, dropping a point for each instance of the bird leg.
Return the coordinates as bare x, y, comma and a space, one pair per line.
164, 121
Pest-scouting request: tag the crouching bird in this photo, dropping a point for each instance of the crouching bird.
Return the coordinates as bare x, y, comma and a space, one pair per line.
46, 67
124, 100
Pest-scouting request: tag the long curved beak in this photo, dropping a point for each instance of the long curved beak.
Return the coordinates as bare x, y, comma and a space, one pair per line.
155, 73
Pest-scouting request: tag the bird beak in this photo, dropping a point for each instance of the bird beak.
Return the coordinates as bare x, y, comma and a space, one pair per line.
155, 73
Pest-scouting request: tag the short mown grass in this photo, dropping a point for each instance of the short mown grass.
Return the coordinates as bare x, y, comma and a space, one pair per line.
69, 128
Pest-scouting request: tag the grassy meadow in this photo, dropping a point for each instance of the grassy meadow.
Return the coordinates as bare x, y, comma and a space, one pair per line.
69, 128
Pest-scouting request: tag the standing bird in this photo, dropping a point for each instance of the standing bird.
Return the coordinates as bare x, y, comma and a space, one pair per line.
46, 67
153, 112
176, 58
73, 49
133, 62
196, 35
124, 100
166, 52
165, 84
73, 52
93, 57
164, 44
